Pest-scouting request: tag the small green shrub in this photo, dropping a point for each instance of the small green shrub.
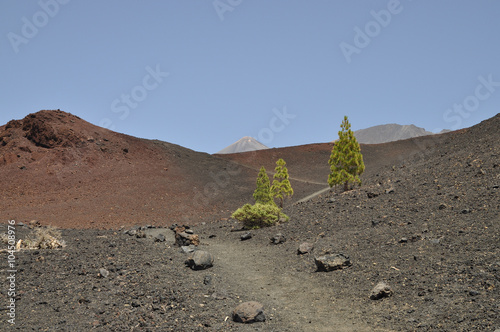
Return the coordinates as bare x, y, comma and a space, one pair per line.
259, 215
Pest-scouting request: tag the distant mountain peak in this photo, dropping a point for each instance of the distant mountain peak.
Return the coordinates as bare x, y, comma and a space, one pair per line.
244, 144
388, 133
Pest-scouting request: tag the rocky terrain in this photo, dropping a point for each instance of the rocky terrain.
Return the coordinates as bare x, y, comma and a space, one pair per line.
426, 222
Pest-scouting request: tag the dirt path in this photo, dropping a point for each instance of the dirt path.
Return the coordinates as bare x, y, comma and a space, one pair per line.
293, 301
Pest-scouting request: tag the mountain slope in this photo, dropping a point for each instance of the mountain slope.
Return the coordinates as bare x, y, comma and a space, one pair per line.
388, 133
62, 170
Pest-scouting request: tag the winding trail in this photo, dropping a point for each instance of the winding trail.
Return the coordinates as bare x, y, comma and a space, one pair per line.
293, 300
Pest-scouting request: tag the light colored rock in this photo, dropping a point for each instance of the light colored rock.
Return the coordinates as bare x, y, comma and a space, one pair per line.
305, 248
380, 291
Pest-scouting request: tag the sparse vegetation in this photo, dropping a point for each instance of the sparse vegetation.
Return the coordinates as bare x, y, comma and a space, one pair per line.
346, 160
44, 238
262, 194
281, 185
259, 215
40, 238
265, 212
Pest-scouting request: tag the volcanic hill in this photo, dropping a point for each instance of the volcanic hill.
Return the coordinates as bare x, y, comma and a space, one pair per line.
64, 171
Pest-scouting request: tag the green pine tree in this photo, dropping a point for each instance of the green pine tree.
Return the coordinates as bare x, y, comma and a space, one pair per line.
262, 193
346, 160
281, 185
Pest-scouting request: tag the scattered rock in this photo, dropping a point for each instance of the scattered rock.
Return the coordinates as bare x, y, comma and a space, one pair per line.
246, 236
473, 293
184, 239
380, 291
278, 238
103, 273
207, 280
442, 206
249, 312
200, 260
371, 194
331, 262
188, 249
305, 248
159, 238
403, 240
389, 191
465, 211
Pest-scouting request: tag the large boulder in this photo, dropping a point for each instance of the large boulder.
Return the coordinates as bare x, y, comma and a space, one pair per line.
249, 312
331, 262
200, 260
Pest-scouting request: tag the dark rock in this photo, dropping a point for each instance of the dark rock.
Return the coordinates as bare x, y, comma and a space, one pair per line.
473, 293
371, 194
140, 234
249, 312
200, 260
159, 238
305, 248
380, 291
442, 206
465, 211
331, 262
246, 236
207, 280
278, 238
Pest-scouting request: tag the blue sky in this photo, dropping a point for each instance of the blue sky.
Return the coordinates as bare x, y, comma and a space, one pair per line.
203, 74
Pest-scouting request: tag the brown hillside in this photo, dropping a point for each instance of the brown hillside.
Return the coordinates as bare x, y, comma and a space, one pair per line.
64, 171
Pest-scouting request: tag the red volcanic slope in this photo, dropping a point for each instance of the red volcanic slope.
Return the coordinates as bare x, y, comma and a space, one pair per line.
64, 171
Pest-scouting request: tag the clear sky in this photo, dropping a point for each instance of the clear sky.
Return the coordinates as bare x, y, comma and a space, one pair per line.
203, 74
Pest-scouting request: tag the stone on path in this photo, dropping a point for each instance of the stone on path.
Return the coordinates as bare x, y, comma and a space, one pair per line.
305, 248
331, 262
249, 312
278, 238
380, 291
200, 260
